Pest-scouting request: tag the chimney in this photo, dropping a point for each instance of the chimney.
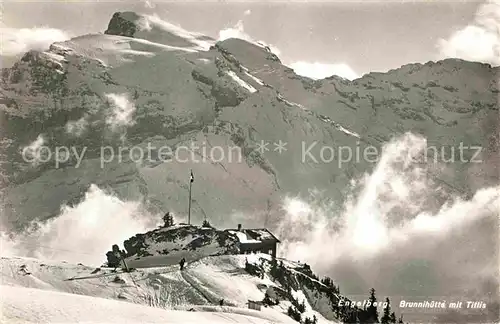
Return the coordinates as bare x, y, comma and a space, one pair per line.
239, 227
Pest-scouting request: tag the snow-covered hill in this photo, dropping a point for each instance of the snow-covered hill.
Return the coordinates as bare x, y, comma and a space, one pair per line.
34, 290
27, 305
168, 245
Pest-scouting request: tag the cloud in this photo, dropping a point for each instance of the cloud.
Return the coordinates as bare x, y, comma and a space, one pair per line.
20, 40
195, 38
122, 110
394, 220
95, 224
318, 70
32, 152
391, 205
238, 31
480, 40
247, 12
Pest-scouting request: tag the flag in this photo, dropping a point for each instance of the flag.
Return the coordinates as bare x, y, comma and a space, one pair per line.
192, 177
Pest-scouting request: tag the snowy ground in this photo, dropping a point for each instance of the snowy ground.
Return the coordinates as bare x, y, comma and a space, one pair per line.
29, 305
52, 292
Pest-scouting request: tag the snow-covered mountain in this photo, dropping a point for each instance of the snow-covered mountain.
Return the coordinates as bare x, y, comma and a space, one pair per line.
145, 81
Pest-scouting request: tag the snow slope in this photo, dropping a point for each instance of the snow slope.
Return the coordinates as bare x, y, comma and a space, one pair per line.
50, 291
224, 277
241, 82
29, 305
112, 50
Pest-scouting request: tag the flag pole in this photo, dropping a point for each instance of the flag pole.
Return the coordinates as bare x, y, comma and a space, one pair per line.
189, 207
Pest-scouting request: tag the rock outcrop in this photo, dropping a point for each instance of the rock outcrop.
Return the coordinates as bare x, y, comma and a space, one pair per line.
176, 242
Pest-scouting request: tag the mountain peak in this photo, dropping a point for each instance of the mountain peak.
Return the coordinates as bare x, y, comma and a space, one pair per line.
123, 24
154, 29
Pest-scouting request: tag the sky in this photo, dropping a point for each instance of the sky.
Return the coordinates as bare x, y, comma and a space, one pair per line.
320, 38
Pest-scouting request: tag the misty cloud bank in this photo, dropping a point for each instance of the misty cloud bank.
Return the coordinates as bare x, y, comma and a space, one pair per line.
316, 70
399, 232
480, 40
17, 41
82, 233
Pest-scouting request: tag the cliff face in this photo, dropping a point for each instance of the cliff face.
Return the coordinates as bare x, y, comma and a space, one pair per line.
146, 83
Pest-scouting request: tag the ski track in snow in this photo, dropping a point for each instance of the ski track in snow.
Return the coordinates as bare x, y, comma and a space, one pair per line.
191, 282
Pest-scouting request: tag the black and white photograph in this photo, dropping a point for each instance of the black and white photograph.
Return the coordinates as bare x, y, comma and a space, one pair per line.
250, 161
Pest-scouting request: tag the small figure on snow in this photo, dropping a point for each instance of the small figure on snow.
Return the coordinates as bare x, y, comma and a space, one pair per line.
221, 302
114, 257
24, 270
181, 263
